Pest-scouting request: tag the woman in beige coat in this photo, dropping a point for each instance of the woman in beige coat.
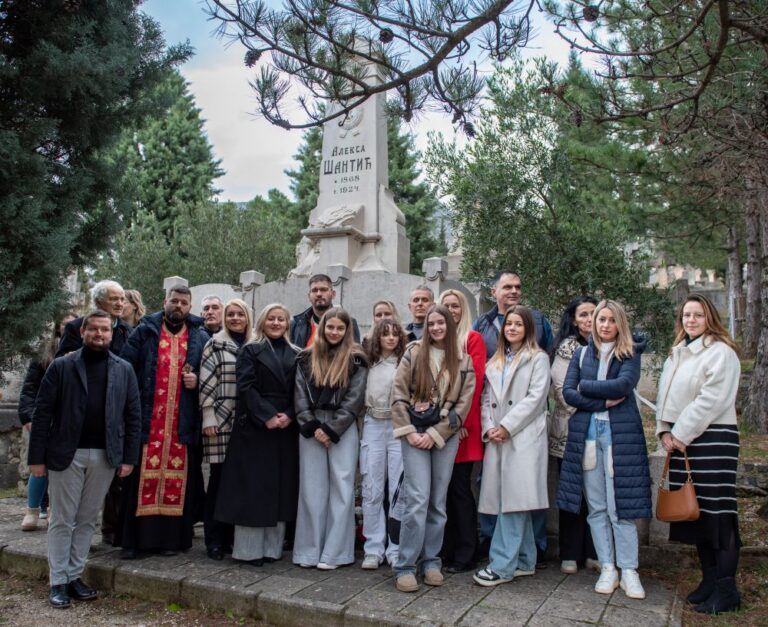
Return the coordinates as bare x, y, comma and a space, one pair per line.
514, 426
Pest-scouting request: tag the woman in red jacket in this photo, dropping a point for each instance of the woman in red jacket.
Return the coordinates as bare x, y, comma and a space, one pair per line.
460, 538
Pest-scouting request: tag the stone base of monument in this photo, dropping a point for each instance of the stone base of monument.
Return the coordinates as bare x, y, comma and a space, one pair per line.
355, 291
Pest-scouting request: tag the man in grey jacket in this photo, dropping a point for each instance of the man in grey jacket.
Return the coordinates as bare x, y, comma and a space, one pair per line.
86, 426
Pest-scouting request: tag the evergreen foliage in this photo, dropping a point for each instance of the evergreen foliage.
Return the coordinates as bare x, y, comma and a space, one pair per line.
212, 243
73, 76
167, 162
526, 196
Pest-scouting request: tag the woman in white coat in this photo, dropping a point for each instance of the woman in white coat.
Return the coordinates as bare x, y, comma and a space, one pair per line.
514, 426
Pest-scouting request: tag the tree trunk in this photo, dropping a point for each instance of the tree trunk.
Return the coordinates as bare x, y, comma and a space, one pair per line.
754, 415
752, 315
733, 281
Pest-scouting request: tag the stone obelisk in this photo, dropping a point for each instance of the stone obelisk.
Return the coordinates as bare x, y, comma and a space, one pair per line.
356, 222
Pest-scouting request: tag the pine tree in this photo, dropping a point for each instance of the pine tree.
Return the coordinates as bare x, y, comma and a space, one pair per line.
72, 80
168, 163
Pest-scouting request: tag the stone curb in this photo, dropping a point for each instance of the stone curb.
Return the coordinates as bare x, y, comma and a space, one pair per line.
271, 607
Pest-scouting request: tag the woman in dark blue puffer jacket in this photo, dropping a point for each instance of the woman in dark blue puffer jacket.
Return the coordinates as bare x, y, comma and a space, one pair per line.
606, 456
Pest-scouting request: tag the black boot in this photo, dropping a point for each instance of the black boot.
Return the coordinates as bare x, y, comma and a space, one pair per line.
725, 598
705, 588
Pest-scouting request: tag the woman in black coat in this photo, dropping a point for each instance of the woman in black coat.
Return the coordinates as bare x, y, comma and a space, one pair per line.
260, 480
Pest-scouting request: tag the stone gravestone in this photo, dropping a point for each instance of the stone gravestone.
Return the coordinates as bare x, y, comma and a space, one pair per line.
356, 222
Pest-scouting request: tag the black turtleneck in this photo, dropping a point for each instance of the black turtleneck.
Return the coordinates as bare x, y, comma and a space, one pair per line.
239, 338
94, 429
278, 345
173, 327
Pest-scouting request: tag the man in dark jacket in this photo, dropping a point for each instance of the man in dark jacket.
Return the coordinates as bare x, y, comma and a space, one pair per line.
86, 424
160, 502
304, 325
212, 310
107, 296
420, 300
508, 291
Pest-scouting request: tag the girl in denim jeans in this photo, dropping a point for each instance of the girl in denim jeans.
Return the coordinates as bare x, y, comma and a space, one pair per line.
605, 456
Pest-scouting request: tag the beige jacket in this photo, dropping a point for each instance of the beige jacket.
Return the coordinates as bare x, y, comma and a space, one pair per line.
461, 390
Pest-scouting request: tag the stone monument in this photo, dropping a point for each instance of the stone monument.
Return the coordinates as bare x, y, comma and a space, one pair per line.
356, 233
356, 222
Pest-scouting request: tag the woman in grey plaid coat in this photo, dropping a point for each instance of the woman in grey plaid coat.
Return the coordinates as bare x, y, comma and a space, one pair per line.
218, 399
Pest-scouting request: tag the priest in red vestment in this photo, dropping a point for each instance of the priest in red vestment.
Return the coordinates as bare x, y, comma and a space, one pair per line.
161, 503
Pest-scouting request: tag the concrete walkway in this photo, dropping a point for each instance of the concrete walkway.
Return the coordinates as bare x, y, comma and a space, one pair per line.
284, 594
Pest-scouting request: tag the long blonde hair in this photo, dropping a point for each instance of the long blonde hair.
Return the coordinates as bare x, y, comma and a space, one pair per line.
625, 346
529, 339
464, 325
715, 329
237, 302
134, 297
258, 329
331, 365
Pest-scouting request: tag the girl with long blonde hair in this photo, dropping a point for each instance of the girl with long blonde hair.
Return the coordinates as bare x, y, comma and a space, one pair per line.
260, 481
605, 455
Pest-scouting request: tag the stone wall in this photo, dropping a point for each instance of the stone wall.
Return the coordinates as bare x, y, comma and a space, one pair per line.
11, 445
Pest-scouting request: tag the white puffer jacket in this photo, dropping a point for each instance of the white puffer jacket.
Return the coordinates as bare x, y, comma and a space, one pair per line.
697, 389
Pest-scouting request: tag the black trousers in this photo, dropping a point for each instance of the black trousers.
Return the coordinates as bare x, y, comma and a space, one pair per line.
110, 513
217, 534
460, 536
574, 533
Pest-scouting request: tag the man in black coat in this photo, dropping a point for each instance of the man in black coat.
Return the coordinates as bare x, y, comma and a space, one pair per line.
107, 296
304, 325
86, 425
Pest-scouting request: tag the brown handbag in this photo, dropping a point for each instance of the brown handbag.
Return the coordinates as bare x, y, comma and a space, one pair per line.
677, 505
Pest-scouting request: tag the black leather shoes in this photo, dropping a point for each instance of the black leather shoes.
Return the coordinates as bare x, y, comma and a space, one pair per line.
216, 553
80, 592
58, 597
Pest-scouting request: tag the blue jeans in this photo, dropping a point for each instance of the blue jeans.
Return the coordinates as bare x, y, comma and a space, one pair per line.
513, 545
36, 487
615, 540
427, 474
538, 520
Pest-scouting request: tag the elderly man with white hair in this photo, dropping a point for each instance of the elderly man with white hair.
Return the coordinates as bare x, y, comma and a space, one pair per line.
107, 296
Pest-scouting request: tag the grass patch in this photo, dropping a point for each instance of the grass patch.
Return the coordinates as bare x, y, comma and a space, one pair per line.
7, 493
752, 580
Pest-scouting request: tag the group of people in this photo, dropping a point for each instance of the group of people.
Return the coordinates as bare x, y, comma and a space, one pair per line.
275, 407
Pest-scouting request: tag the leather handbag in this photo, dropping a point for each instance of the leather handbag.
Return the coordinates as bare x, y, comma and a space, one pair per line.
677, 505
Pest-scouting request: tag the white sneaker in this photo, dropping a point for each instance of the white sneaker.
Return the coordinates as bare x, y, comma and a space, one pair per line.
609, 580
324, 566
371, 562
630, 583
524, 573
593, 564
569, 567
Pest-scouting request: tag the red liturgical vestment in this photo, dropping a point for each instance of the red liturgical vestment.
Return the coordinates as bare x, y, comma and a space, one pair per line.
163, 479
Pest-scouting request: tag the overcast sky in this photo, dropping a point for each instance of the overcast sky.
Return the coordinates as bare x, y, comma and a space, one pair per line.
254, 153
